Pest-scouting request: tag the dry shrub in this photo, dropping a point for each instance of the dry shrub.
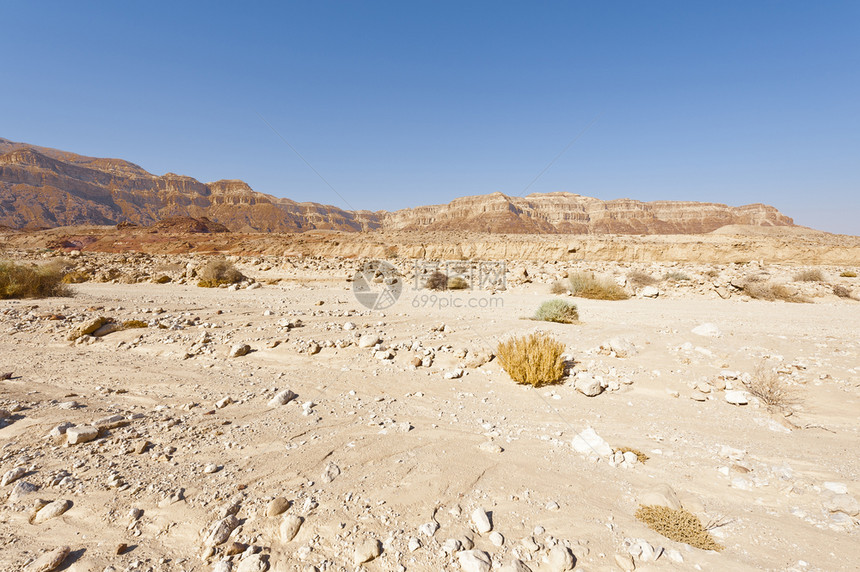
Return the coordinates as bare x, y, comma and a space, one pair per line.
812, 275
437, 281
678, 525
76, 277
31, 281
637, 279
770, 389
534, 359
219, 271
848, 274
841, 291
676, 276
772, 291
585, 285
457, 283
640, 456
560, 311
558, 287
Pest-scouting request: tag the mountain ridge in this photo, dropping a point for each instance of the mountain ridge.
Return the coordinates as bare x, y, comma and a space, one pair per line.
41, 187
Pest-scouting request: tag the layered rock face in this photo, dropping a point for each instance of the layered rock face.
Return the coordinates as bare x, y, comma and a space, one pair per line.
41, 187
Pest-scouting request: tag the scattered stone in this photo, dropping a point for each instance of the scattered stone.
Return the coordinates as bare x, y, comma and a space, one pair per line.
49, 560
414, 544
220, 531
586, 384
87, 328
20, 490
429, 528
649, 292
239, 350
367, 551
51, 510
223, 402
330, 473
290, 527
474, 561
625, 562
496, 538
561, 559
490, 447
12, 475
622, 347
838, 488
282, 398
588, 442
481, 520
211, 468
277, 506
84, 434
368, 340
253, 563
737, 397
454, 374
707, 330
660, 495
452, 546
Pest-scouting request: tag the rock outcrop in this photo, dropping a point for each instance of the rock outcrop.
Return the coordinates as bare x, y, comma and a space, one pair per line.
45, 188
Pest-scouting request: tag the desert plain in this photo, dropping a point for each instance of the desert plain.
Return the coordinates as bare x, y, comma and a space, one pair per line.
279, 424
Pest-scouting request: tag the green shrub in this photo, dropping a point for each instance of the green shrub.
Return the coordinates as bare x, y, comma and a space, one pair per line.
534, 359
585, 285
219, 271
31, 281
560, 311
813, 275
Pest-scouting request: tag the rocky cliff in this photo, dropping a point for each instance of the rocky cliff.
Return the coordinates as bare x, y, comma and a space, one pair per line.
42, 187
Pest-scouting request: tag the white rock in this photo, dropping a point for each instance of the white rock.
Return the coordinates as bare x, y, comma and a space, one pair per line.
586, 384
368, 340
496, 538
481, 520
290, 527
20, 490
838, 488
76, 435
675, 555
330, 473
622, 347
367, 551
220, 531
649, 292
52, 510
708, 330
452, 546
239, 350
588, 442
560, 559
737, 397
222, 566
474, 561
429, 528
223, 402
349, 326
282, 398
253, 563
414, 544
49, 560
625, 562
454, 374
12, 475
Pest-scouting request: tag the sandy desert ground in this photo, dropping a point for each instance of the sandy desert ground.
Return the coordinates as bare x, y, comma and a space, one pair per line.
400, 430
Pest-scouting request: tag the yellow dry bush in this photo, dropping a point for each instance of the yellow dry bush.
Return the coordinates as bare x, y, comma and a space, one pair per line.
585, 285
678, 525
534, 359
640, 456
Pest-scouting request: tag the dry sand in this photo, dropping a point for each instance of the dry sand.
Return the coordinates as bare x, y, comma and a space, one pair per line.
386, 447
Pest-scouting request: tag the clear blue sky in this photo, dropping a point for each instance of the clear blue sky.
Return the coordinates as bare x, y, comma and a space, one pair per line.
405, 103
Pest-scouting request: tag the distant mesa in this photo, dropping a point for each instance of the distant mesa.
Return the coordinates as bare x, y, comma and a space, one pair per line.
44, 188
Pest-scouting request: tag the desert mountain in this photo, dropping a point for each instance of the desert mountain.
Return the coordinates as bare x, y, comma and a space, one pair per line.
42, 188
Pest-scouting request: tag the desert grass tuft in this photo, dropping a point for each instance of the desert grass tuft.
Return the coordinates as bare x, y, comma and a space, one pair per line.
585, 285
812, 275
678, 525
437, 281
219, 271
772, 291
534, 359
766, 385
559, 311
841, 291
558, 287
637, 279
457, 283
676, 276
640, 456
31, 281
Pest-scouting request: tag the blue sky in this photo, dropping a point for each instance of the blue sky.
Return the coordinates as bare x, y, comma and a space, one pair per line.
400, 104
